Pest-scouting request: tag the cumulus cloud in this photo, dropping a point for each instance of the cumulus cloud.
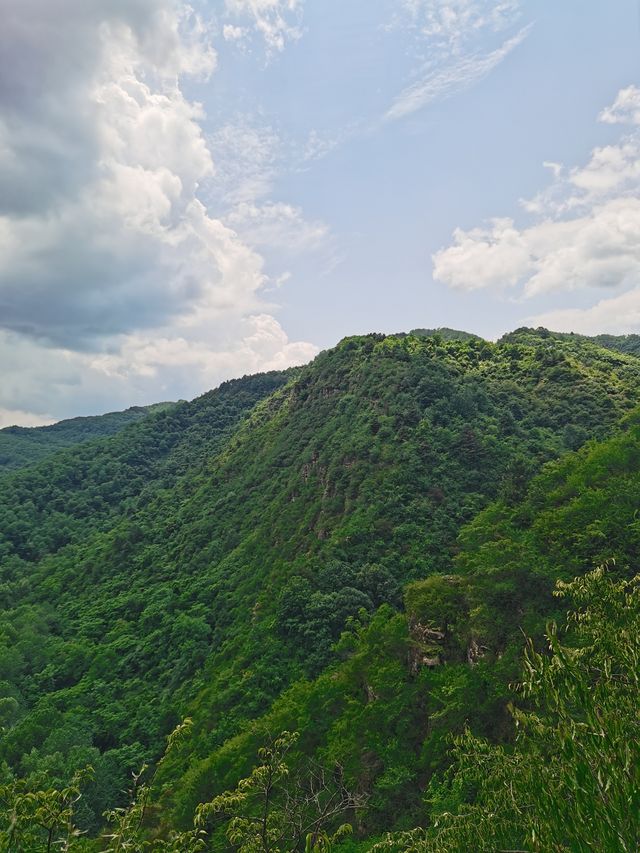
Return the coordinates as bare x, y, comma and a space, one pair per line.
498, 255
599, 249
584, 232
99, 217
455, 35
625, 109
247, 345
108, 253
618, 315
231, 33
44, 384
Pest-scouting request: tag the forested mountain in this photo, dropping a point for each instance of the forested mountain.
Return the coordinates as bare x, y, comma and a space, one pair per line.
628, 344
446, 334
351, 551
23, 446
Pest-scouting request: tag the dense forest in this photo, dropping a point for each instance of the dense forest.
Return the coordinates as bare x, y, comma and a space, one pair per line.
384, 601
23, 446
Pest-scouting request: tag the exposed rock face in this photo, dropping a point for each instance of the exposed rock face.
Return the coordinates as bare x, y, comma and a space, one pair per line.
475, 651
426, 649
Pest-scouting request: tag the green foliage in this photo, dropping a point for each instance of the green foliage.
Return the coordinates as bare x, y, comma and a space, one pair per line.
126, 824
627, 344
386, 711
40, 820
446, 334
21, 447
253, 824
571, 782
272, 812
268, 812
242, 558
72, 664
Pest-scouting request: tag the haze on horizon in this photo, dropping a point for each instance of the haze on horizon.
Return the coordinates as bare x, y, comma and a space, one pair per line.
194, 191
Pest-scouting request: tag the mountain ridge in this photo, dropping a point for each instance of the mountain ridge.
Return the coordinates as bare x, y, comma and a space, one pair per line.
24, 446
208, 560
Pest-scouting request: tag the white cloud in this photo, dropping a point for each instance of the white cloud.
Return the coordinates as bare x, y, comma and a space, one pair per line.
318, 145
249, 157
457, 39
611, 169
498, 256
231, 33
277, 226
108, 255
450, 24
625, 109
584, 233
618, 315
276, 21
452, 77
98, 236
248, 345
13, 417
555, 168
42, 384
599, 249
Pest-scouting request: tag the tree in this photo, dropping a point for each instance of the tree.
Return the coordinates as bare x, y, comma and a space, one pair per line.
271, 811
572, 780
275, 811
40, 820
127, 833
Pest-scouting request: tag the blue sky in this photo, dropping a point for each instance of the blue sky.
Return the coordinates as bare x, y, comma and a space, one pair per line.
190, 193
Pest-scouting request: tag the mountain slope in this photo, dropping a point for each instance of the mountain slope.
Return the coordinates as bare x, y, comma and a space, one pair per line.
404, 682
446, 334
94, 485
626, 344
24, 446
200, 554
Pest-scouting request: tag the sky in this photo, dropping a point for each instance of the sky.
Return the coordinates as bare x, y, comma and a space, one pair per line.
190, 192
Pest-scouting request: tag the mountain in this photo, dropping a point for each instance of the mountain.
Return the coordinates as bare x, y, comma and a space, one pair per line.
23, 446
403, 682
446, 334
627, 344
306, 550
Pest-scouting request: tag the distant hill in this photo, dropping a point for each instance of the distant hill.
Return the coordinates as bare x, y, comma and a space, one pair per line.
627, 344
24, 446
446, 334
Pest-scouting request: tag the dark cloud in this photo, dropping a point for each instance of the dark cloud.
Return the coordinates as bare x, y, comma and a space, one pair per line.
100, 158
117, 286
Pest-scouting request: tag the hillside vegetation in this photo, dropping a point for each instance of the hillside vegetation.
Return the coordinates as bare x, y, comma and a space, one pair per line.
23, 446
352, 551
628, 344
